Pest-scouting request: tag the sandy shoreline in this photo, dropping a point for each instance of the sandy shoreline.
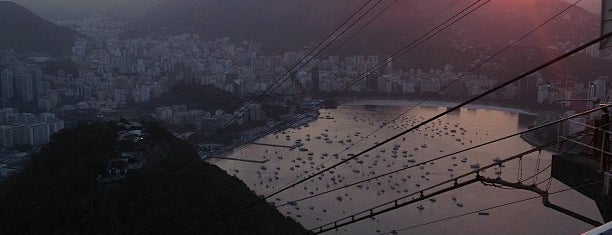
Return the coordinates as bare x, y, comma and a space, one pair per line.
410, 103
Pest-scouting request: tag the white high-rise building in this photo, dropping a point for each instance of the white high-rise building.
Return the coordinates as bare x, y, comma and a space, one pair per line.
6, 137
25, 88
6, 84
142, 93
37, 80
39, 133
4, 115
599, 91
593, 51
389, 67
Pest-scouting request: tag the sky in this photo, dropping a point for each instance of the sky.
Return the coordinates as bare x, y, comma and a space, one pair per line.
85, 7
590, 5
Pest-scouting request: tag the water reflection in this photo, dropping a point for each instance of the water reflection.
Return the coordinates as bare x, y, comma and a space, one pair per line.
346, 131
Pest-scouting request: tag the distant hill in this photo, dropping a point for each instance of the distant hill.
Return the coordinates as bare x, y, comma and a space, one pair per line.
282, 23
299, 20
287, 25
175, 193
24, 31
75, 9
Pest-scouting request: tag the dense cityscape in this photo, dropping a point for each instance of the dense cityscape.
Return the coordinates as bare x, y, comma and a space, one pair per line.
222, 96
109, 75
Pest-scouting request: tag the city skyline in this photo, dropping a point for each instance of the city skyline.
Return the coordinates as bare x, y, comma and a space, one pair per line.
282, 117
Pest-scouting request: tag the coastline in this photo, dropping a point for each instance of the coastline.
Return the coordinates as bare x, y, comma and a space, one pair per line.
411, 103
313, 113
530, 138
533, 141
310, 116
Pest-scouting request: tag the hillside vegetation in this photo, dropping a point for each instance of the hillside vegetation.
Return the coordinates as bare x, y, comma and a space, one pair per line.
175, 193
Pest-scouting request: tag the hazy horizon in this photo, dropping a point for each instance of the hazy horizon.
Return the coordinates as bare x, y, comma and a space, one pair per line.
59, 9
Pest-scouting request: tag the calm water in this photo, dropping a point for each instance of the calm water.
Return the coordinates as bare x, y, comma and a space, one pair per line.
347, 133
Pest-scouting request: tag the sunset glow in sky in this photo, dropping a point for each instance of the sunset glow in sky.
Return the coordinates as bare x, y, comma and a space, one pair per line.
590, 5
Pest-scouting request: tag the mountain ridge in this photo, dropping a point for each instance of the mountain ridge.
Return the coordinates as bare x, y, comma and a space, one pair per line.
25, 32
288, 25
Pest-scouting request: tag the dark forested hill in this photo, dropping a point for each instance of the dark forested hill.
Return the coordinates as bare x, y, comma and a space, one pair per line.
24, 31
175, 193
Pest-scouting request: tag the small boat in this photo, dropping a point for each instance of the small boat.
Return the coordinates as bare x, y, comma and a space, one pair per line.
475, 166
420, 207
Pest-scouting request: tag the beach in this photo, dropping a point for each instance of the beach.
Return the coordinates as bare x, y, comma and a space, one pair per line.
412, 103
